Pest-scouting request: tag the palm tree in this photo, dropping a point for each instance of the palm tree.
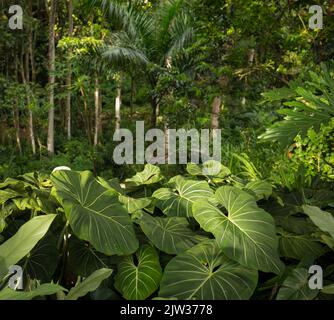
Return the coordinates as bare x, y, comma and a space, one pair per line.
148, 40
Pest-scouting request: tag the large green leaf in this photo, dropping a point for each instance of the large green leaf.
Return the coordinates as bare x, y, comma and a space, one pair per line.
171, 235
246, 233
42, 261
83, 259
150, 175
296, 287
205, 273
132, 204
137, 280
42, 290
211, 169
322, 219
299, 246
18, 246
261, 189
89, 284
94, 213
177, 200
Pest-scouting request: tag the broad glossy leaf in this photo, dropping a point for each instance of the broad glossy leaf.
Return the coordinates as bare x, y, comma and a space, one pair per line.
42, 290
140, 278
171, 235
83, 259
133, 205
18, 246
42, 260
296, 287
89, 284
212, 169
299, 246
322, 219
205, 273
261, 189
245, 232
150, 175
177, 200
94, 213
297, 225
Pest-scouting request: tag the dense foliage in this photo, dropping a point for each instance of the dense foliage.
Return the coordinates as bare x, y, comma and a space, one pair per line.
192, 237
80, 70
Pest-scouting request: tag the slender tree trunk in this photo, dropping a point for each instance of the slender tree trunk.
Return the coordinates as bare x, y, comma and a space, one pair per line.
25, 71
16, 120
216, 106
51, 58
118, 103
30, 58
97, 112
69, 73
86, 116
16, 114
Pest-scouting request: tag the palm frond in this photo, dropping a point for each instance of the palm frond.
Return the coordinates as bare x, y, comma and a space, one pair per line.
310, 108
182, 34
123, 52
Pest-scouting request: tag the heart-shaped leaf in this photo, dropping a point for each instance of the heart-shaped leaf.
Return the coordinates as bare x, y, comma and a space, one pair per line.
150, 175
205, 273
42, 260
139, 278
296, 286
95, 214
177, 200
171, 235
83, 259
261, 189
299, 246
245, 232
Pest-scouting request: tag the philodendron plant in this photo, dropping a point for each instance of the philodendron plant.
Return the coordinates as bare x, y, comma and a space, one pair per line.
199, 236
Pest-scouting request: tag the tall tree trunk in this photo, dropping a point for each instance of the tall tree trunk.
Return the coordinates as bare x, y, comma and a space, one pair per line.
97, 112
30, 58
216, 105
118, 103
16, 120
51, 58
69, 73
16, 114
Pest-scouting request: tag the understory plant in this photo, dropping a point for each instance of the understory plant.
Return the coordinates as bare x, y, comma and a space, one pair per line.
209, 234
